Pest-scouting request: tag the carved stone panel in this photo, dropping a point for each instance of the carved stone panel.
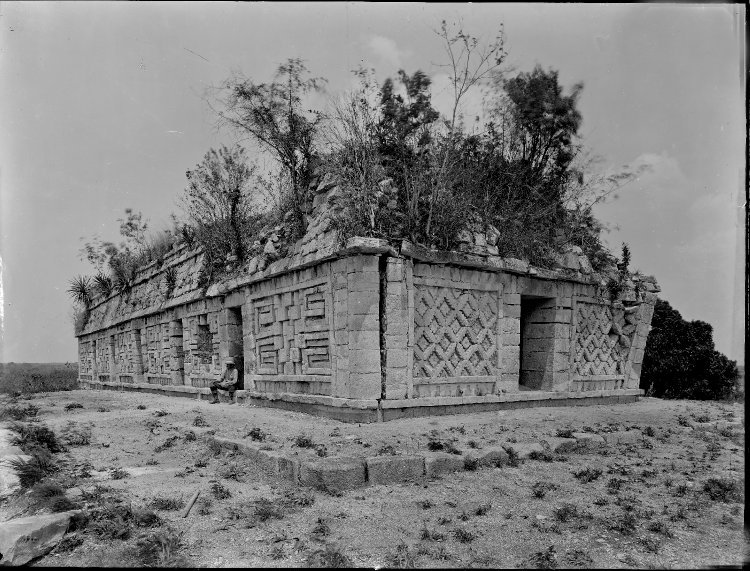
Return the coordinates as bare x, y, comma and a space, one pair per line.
292, 332
598, 350
455, 332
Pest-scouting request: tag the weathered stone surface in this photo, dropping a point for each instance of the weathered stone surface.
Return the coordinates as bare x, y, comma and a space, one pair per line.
395, 469
442, 463
334, 475
524, 449
588, 438
24, 539
558, 444
624, 437
9, 482
492, 456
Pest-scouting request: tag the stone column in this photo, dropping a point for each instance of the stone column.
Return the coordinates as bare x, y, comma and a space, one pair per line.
363, 311
340, 341
176, 361
112, 360
509, 353
394, 328
248, 347
638, 347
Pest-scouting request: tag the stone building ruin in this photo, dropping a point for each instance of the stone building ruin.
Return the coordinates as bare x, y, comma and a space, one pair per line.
367, 331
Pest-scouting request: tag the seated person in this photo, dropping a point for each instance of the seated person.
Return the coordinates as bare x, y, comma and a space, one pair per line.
227, 382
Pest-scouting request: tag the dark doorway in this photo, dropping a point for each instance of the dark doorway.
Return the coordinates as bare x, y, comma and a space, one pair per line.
236, 343
537, 343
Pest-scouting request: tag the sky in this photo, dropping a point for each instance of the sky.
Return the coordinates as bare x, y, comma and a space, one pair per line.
103, 107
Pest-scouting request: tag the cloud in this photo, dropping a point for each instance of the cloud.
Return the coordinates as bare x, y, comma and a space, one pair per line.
387, 51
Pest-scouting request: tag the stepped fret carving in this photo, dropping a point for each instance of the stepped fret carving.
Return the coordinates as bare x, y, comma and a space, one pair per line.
293, 333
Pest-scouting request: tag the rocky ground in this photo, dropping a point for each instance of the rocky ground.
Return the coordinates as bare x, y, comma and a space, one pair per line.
670, 495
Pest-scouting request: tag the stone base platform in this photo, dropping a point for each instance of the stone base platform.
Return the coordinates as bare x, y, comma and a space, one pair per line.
372, 410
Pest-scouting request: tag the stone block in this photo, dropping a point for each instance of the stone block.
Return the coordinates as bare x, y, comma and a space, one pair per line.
492, 456
364, 360
538, 344
363, 302
362, 385
367, 281
358, 264
334, 475
510, 358
588, 439
441, 463
524, 449
512, 310
395, 469
561, 445
397, 358
363, 322
24, 539
509, 325
623, 437
395, 270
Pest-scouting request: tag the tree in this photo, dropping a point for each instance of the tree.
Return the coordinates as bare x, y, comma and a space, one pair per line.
219, 195
272, 114
680, 360
220, 204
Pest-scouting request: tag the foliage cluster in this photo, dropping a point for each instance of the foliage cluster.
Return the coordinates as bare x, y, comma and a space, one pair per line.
681, 362
403, 169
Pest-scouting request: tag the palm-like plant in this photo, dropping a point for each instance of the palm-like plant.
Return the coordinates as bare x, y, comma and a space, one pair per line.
103, 284
81, 290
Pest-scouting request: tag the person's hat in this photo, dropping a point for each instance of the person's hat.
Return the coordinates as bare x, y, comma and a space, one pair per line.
229, 361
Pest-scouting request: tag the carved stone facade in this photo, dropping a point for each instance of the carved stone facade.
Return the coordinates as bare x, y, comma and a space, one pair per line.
378, 330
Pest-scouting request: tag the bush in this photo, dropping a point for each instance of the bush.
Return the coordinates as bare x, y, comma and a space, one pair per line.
22, 412
330, 556
76, 435
722, 490
31, 437
257, 434
29, 378
680, 360
588, 475
166, 503
33, 470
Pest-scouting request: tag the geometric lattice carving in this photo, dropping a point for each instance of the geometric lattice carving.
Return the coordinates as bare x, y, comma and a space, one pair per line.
597, 348
455, 332
292, 333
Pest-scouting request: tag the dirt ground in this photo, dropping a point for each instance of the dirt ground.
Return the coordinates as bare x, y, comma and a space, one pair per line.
640, 505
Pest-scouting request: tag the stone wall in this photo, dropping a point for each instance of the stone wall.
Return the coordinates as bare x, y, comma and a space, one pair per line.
367, 325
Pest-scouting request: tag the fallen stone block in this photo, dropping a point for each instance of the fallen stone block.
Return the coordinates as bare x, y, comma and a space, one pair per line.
277, 463
24, 539
559, 444
442, 463
9, 451
524, 449
6, 437
335, 475
492, 457
395, 469
9, 482
588, 439
624, 437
